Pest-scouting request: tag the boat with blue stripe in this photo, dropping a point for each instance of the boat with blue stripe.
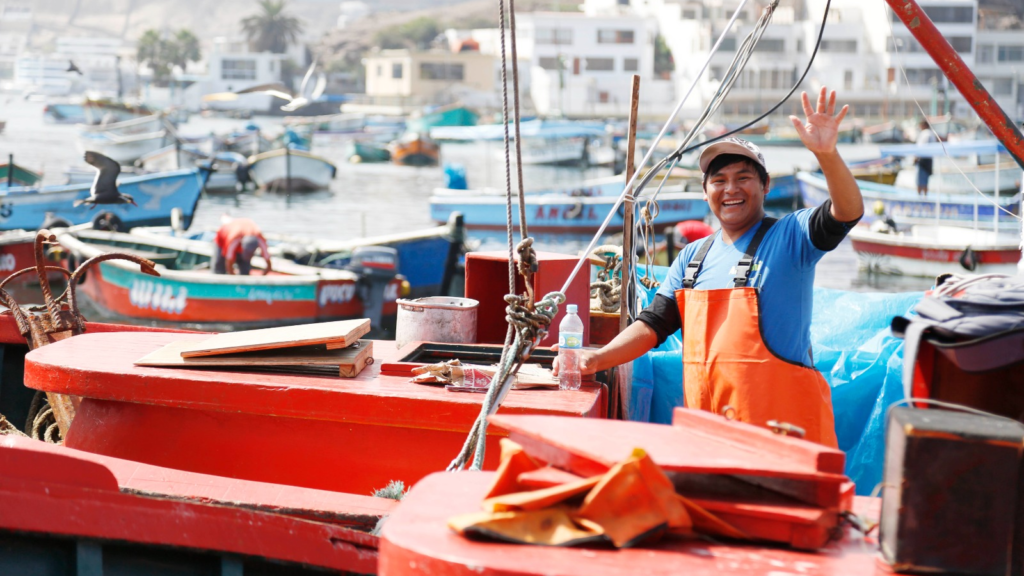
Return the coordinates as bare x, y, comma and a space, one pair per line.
157, 195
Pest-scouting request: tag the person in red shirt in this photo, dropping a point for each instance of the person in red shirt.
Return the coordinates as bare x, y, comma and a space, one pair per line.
236, 242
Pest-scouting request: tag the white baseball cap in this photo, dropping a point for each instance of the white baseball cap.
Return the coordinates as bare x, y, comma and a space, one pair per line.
730, 146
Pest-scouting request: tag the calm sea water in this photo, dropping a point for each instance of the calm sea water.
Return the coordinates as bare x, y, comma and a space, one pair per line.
370, 199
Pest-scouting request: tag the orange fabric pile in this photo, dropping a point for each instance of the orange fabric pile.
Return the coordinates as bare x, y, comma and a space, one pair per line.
634, 501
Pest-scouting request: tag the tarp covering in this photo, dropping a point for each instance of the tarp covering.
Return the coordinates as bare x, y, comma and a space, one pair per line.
854, 349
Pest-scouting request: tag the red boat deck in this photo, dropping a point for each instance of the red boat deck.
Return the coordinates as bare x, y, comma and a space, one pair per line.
416, 540
54, 491
349, 435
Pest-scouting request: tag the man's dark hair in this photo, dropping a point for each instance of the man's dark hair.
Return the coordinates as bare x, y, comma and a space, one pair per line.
723, 160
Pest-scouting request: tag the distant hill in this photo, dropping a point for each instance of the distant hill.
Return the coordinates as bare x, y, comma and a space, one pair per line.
127, 19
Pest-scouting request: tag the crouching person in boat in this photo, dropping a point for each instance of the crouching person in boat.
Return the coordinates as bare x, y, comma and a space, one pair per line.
743, 296
235, 244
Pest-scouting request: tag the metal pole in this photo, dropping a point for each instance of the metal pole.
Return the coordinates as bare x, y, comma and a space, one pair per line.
995, 209
625, 298
1002, 127
288, 169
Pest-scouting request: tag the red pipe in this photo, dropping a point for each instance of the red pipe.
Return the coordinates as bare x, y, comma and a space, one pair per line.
961, 76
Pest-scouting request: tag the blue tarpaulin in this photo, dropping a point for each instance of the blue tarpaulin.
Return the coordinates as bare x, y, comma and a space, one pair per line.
853, 348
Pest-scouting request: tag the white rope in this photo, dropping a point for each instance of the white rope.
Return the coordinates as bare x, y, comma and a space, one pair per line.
650, 152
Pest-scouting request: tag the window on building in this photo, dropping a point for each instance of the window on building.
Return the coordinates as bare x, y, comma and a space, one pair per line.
272, 66
440, 71
1002, 86
800, 45
986, 53
843, 46
557, 36
380, 70
848, 80
600, 64
690, 14
549, 63
602, 97
771, 45
1011, 53
238, 70
630, 64
717, 72
614, 36
396, 70
961, 44
923, 76
728, 44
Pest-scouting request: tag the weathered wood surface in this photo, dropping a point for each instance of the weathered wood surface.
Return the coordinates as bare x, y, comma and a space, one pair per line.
348, 362
417, 540
335, 334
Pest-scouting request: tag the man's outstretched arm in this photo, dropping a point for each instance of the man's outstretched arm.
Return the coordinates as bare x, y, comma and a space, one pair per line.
630, 344
819, 134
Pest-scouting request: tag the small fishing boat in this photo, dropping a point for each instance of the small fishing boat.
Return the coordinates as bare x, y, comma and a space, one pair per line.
187, 291
64, 113
414, 149
228, 168
288, 170
157, 196
454, 115
357, 151
881, 170
12, 174
544, 141
135, 125
122, 148
885, 133
560, 213
929, 251
970, 164
908, 207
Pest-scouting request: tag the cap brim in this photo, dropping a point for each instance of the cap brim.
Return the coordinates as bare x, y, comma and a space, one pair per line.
719, 148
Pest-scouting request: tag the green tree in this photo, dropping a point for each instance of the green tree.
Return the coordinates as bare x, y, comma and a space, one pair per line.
663, 62
416, 33
163, 53
271, 30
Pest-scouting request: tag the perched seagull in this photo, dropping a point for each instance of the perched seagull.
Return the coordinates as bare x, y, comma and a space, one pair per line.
104, 187
295, 101
73, 68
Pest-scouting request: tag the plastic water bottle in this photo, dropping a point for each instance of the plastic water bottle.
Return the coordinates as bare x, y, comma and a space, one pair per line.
570, 345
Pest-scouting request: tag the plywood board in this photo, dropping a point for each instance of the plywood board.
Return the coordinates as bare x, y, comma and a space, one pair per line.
338, 334
316, 359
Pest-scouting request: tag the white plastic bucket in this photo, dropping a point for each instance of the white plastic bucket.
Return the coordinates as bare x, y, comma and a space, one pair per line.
436, 319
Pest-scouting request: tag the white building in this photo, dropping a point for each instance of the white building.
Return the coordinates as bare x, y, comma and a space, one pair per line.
97, 58
581, 64
229, 66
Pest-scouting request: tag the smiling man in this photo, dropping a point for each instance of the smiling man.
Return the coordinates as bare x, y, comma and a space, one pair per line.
743, 296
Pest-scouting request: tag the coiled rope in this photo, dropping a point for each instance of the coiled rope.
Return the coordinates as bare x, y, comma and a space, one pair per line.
528, 321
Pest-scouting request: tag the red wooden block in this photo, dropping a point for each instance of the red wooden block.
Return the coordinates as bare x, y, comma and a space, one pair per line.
416, 540
487, 283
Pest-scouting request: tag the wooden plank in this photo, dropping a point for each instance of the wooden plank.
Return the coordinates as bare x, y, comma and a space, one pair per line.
343, 333
317, 359
588, 447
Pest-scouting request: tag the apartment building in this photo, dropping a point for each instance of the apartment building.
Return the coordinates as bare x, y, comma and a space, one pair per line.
401, 79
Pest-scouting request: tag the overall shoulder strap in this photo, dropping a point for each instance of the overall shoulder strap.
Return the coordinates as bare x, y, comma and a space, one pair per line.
693, 266
747, 261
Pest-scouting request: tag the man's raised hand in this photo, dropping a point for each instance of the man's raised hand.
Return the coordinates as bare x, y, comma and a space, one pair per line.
820, 131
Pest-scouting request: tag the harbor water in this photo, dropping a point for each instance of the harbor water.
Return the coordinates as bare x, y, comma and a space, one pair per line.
373, 199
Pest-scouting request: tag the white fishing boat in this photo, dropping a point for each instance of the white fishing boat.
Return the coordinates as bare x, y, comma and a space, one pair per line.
929, 250
544, 142
229, 168
141, 125
123, 149
287, 170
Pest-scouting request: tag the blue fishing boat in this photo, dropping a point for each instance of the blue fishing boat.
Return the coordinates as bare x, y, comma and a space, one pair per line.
560, 213
157, 195
908, 207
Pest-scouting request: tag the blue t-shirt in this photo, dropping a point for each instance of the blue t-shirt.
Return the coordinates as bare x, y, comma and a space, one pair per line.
783, 271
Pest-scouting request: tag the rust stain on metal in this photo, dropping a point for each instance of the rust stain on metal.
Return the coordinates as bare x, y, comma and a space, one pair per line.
916, 22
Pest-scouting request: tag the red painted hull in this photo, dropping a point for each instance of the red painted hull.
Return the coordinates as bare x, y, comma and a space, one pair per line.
982, 255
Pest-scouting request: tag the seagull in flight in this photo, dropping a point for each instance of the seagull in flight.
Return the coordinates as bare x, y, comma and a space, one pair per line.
104, 186
73, 68
296, 100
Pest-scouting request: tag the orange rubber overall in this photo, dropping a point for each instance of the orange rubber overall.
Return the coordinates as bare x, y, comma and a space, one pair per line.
727, 363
